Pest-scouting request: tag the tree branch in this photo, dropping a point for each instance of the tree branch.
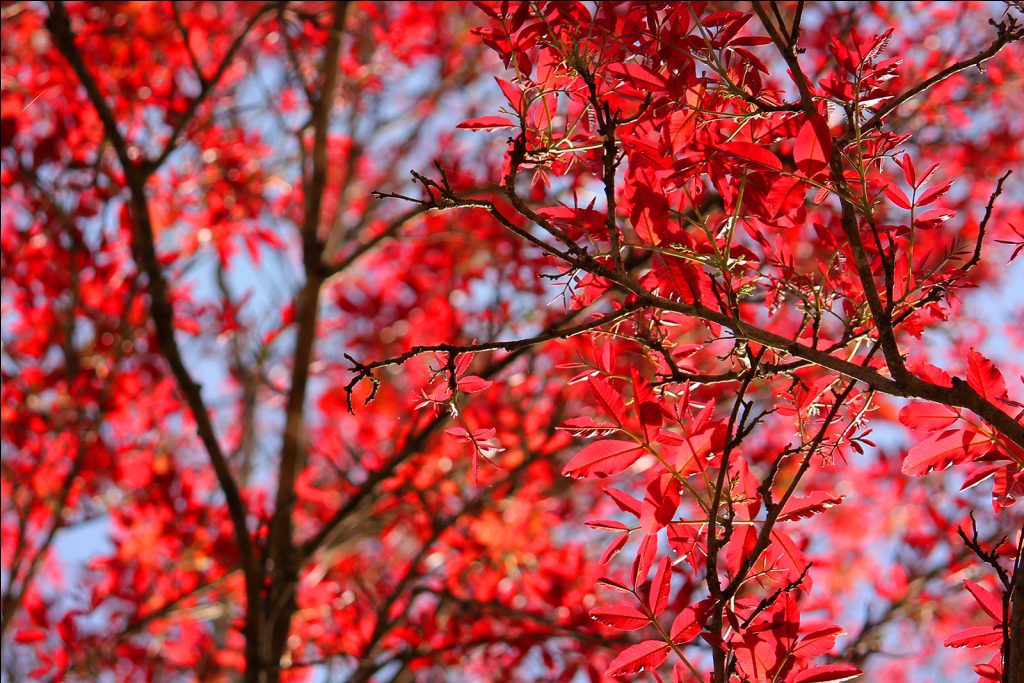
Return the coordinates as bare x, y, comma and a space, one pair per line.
976, 257
1007, 31
365, 370
144, 251
307, 309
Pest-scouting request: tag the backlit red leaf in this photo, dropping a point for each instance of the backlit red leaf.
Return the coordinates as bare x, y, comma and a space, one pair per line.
929, 417
813, 146
828, 673
646, 655
639, 76
487, 123
602, 458
809, 505
622, 617
985, 378
752, 155
979, 636
989, 601
661, 587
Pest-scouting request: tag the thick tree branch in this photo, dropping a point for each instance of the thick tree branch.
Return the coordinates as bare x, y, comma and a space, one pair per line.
383, 622
144, 251
879, 313
282, 561
307, 309
961, 395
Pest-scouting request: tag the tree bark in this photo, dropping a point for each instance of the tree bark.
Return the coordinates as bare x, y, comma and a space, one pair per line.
1013, 654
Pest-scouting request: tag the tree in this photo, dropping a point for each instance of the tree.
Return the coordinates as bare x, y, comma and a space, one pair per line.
661, 270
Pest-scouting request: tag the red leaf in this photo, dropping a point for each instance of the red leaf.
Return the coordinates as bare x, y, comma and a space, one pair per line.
817, 643
609, 399
933, 219
789, 553
512, 93
29, 635
786, 196
688, 623
613, 585
648, 654
602, 458
907, 164
722, 18
898, 197
985, 378
979, 636
988, 672
487, 123
937, 452
626, 502
989, 601
649, 214
934, 193
472, 384
828, 673
587, 427
639, 76
644, 559
808, 506
661, 587
677, 278
929, 417
613, 548
188, 325
750, 40
979, 475
759, 157
1008, 486
622, 617
813, 146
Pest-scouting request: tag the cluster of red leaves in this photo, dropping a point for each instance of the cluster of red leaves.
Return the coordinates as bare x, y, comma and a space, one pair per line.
692, 101
96, 436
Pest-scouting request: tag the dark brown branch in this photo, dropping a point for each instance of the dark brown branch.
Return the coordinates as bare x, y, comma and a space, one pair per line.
769, 600
307, 308
389, 231
365, 371
1013, 665
440, 197
775, 508
144, 251
959, 395
976, 257
882, 318
714, 543
1012, 624
383, 623
283, 561
962, 395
